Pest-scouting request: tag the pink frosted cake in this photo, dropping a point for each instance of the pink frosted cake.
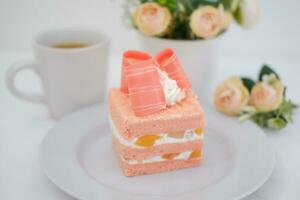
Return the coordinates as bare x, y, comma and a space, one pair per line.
156, 120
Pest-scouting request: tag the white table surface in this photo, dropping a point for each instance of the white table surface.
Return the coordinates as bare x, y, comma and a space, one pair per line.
23, 126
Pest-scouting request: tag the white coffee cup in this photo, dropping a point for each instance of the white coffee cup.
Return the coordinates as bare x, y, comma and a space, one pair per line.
71, 77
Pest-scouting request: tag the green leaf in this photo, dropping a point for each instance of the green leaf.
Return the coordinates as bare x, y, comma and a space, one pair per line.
285, 110
196, 3
260, 120
276, 123
284, 91
248, 83
226, 4
234, 4
266, 70
276, 119
238, 15
170, 4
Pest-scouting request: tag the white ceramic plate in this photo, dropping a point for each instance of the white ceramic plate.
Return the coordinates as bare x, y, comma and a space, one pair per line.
77, 156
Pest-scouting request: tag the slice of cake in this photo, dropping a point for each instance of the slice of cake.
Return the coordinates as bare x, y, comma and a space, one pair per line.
156, 121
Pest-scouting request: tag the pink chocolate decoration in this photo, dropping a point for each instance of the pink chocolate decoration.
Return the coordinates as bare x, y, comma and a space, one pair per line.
130, 57
144, 88
169, 63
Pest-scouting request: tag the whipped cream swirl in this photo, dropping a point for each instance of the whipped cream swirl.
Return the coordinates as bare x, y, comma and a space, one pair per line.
173, 93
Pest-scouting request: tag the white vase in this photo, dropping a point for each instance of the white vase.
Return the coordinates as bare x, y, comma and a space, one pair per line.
198, 57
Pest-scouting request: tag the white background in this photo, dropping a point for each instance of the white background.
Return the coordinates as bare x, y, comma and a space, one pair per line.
277, 34
275, 40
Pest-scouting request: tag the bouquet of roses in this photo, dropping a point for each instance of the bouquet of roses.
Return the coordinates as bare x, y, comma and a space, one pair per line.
263, 101
190, 19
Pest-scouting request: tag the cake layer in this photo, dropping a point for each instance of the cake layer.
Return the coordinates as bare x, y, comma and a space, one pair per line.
129, 150
158, 139
156, 167
185, 115
170, 156
129, 153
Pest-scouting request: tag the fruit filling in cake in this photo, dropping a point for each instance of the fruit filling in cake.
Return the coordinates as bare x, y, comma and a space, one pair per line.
148, 140
156, 120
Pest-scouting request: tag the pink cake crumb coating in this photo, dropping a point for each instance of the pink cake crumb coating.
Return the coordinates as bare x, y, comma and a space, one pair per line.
184, 115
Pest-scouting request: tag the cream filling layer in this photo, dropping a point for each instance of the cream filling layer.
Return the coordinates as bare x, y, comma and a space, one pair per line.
182, 156
189, 135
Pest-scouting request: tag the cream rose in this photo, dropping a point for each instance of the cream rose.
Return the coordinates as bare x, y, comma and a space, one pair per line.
206, 21
152, 19
231, 96
267, 96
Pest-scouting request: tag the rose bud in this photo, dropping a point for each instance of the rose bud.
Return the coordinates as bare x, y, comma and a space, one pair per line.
152, 19
227, 19
231, 96
249, 13
267, 95
206, 22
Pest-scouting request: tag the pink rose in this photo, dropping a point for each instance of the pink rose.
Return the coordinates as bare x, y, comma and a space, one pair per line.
152, 19
267, 96
206, 21
231, 96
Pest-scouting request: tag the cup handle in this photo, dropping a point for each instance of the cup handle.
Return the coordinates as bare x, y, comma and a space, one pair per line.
10, 82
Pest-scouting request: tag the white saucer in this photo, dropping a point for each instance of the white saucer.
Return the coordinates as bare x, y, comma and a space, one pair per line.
77, 156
